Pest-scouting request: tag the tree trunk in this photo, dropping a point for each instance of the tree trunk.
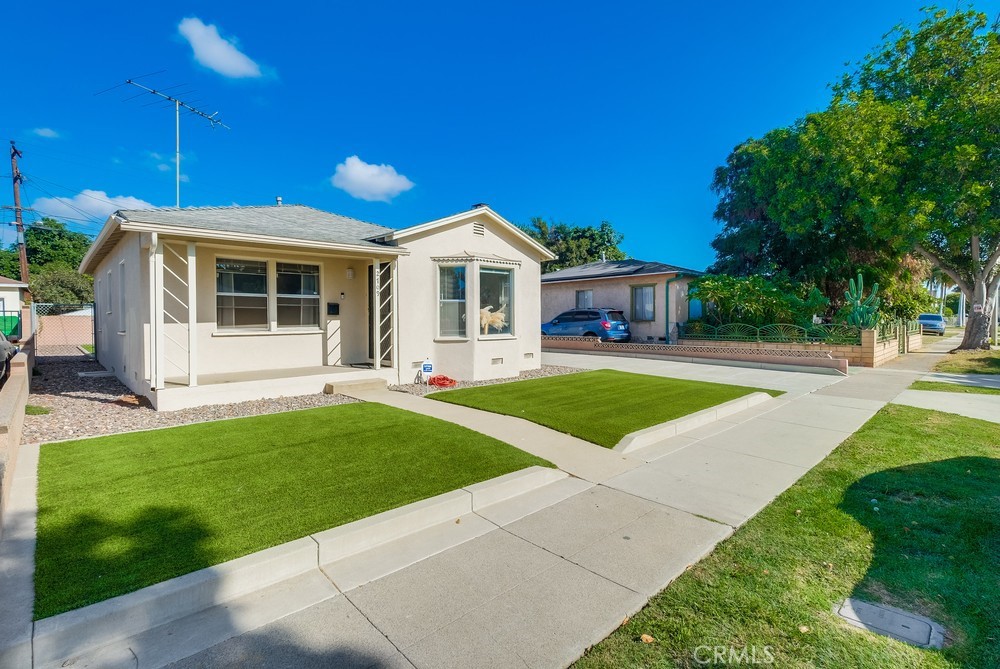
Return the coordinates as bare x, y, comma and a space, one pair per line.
977, 327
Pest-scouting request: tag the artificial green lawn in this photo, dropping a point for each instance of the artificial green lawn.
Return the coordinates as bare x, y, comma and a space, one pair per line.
941, 386
932, 547
601, 406
119, 513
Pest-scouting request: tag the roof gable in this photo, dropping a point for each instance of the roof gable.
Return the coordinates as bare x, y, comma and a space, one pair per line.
447, 221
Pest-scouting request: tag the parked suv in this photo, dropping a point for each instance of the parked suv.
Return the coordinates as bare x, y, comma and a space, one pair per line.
931, 324
608, 324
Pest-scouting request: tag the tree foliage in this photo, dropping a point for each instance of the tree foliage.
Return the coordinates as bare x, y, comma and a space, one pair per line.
755, 300
908, 153
766, 233
574, 244
54, 252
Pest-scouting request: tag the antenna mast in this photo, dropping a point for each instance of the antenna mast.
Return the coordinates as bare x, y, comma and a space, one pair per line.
177, 112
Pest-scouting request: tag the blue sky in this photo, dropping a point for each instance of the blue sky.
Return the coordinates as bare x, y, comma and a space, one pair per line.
402, 113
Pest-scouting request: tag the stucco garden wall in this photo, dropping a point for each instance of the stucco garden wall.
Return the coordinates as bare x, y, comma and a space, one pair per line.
13, 398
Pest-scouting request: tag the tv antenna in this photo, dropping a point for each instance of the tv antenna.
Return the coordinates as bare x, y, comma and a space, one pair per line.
178, 103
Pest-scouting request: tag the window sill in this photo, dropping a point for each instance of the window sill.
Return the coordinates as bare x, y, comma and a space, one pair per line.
449, 340
498, 337
121, 332
263, 333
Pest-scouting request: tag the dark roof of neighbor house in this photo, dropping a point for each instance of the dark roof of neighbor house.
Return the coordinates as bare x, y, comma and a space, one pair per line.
290, 221
606, 269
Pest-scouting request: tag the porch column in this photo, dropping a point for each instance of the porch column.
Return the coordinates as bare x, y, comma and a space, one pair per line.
376, 313
395, 319
158, 360
192, 300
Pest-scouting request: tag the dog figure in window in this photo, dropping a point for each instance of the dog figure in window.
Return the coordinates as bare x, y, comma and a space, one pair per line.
492, 319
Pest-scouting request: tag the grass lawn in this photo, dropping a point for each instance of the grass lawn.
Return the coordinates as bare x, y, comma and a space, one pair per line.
35, 410
600, 406
971, 362
932, 547
89, 348
953, 388
122, 512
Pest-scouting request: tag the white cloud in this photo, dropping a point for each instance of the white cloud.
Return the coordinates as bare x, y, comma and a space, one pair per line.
47, 133
216, 52
163, 167
88, 203
374, 183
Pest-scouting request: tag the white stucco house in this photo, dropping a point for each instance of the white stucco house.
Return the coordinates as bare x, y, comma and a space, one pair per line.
210, 305
653, 295
11, 294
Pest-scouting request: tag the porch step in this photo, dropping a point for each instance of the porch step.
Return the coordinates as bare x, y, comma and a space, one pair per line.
342, 387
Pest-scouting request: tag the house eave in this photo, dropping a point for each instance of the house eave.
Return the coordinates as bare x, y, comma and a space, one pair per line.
619, 276
411, 231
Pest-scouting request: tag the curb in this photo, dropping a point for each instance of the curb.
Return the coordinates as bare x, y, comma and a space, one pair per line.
66, 635
651, 435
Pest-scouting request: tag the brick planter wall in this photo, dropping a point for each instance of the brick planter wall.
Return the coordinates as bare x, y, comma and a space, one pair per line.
13, 398
853, 354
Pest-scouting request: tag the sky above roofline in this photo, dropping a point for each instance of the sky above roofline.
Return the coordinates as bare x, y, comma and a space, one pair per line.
399, 114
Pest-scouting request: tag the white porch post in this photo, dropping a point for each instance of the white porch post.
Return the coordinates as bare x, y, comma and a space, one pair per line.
158, 361
395, 319
192, 316
376, 314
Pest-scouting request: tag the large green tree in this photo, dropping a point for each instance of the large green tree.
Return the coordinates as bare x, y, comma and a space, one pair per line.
575, 244
911, 145
760, 238
54, 252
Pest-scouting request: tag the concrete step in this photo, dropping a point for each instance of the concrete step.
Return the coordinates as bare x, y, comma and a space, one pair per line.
345, 387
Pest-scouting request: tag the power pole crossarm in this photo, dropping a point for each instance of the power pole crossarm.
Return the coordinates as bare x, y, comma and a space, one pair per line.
16, 178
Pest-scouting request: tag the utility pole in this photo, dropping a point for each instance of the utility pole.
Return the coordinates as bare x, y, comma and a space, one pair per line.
16, 178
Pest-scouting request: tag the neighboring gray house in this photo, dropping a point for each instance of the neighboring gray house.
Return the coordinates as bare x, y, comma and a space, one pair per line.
653, 295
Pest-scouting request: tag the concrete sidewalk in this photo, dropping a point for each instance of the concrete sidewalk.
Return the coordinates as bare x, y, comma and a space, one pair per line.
983, 407
537, 590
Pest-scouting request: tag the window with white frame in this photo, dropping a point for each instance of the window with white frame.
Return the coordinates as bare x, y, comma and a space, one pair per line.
298, 295
121, 296
584, 299
496, 300
241, 293
643, 303
107, 294
451, 301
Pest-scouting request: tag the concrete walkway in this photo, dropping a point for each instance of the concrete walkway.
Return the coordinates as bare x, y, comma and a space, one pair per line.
536, 590
983, 407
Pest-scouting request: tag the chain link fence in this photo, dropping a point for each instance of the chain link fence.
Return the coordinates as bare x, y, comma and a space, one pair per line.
63, 329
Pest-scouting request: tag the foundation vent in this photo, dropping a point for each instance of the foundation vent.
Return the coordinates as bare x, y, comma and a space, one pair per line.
497, 361
417, 364
529, 356
479, 229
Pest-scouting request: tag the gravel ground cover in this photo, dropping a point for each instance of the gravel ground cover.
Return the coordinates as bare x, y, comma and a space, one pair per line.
546, 370
85, 407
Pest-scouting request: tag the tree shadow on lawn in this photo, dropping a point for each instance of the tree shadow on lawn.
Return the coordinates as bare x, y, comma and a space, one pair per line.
88, 558
936, 548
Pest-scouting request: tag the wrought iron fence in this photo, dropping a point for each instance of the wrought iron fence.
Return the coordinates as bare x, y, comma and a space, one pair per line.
835, 333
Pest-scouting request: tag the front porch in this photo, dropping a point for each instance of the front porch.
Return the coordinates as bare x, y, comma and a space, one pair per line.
232, 387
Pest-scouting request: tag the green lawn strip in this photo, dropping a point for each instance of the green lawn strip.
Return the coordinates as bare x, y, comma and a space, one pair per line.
933, 547
35, 410
89, 348
601, 406
970, 362
122, 512
941, 386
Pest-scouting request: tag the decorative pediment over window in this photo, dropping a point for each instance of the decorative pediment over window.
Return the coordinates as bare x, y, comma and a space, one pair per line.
481, 257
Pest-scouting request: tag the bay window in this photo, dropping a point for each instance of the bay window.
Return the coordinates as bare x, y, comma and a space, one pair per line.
451, 301
496, 300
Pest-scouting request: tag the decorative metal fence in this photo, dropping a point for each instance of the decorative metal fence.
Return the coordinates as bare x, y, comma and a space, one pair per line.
63, 329
776, 332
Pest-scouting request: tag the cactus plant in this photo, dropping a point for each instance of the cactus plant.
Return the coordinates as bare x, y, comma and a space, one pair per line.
864, 310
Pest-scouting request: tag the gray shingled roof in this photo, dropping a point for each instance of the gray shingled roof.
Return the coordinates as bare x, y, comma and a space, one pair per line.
614, 268
290, 221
